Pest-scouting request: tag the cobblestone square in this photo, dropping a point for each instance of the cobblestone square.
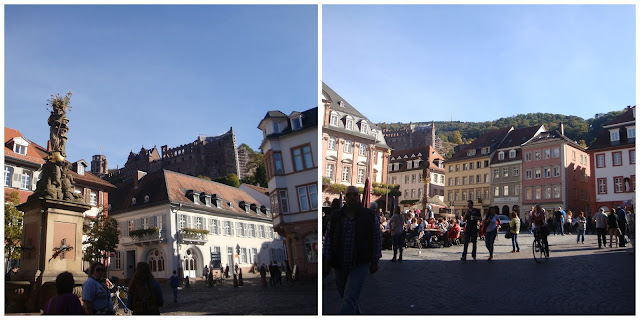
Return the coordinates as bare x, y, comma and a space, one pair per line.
578, 279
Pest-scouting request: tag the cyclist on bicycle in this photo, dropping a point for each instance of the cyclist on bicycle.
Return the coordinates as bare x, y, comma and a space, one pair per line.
540, 227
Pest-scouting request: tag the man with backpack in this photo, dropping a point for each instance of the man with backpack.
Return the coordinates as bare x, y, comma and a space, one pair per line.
173, 282
145, 295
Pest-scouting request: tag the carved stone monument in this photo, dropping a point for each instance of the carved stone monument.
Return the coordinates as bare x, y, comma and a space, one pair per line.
52, 226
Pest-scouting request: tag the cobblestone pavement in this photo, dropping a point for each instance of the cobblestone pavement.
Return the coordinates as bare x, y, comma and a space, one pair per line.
301, 298
578, 279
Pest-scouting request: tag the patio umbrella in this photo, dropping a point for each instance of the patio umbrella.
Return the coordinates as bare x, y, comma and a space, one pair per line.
366, 194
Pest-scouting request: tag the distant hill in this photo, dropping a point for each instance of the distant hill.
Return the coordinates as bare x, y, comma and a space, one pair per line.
455, 133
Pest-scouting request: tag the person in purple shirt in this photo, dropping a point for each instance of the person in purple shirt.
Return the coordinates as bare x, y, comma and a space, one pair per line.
65, 302
352, 247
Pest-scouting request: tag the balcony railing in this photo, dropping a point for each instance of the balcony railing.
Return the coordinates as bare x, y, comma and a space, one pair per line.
190, 237
148, 237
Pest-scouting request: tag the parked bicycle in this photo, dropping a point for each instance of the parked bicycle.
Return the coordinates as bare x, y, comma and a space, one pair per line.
118, 296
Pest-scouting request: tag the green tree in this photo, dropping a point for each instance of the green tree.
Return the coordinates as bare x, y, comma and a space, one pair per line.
231, 180
204, 177
12, 226
456, 137
102, 237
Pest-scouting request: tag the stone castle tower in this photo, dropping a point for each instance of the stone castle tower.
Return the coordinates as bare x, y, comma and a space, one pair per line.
99, 165
412, 136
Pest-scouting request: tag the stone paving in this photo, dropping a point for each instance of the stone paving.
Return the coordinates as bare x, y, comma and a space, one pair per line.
301, 298
578, 279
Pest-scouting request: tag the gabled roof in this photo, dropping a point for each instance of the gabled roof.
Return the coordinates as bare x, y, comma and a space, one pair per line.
603, 141
309, 120
551, 136
89, 179
489, 139
164, 187
35, 153
514, 140
262, 190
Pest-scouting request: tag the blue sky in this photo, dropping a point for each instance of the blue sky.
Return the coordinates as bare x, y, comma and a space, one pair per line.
479, 63
157, 75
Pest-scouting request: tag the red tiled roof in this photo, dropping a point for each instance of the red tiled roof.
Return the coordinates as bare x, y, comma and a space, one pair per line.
89, 178
34, 151
258, 188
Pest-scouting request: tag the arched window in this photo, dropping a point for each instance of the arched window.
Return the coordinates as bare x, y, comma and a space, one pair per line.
311, 247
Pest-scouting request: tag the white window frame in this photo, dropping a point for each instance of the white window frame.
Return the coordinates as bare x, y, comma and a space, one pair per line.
332, 143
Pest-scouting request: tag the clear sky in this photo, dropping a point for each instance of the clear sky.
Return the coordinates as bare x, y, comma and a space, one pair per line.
157, 75
411, 63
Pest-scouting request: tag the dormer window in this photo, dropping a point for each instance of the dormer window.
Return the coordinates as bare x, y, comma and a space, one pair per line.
207, 200
364, 127
276, 129
20, 146
217, 201
512, 154
471, 153
334, 119
614, 134
80, 169
341, 103
409, 164
501, 155
296, 123
485, 150
348, 123
631, 132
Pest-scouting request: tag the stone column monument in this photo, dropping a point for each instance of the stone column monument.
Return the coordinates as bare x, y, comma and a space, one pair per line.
52, 225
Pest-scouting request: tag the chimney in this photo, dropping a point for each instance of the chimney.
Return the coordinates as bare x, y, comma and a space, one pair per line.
561, 128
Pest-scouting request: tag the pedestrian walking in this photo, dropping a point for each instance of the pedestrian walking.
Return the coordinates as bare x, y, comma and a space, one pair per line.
226, 271
613, 227
560, 217
145, 295
96, 297
65, 301
582, 226
205, 272
263, 275
491, 230
397, 233
601, 227
352, 248
623, 224
514, 227
173, 283
471, 218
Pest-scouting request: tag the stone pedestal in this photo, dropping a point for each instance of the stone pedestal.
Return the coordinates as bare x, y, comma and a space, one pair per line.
51, 244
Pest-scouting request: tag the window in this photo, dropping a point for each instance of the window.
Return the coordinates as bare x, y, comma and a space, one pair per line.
505, 172
486, 163
406, 193
471, 166
25, 180
346, 175
614, 134
311, 247
360, 175
471, 153
435, 177
496, 173
334, 119
538, 193
556, 171
8, 175
457, 167
277, 161
618, 185
527, 193
527, 174
450, 182
600, 160
19, 148
536, 155
464, 181
80, 169
516, 190
284, 201
241, 229
486, 178
464, 196
556, 191
296, 123
547, 192
363, 150
555, 152
547, 153
471, 180
117, 260
450, 168
347, 146
617, 158
505, 190
93, 198
449, 196
420, 193
413, 178
261, 233
602, 185
486, 194
364, 127
512, 154
527, 156
332, 143
227, 228
251, 230
573, 155
413, 193
516, 171
478, 178
214, 226
349, 123
537, 173
308, 197
547, 172
470, 195
496, 191
632, 156
330, 170
485, 150
302, 158
465, 166
456, 181
501, 155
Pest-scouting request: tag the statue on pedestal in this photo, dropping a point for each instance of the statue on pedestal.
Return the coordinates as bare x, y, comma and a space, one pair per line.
54, 181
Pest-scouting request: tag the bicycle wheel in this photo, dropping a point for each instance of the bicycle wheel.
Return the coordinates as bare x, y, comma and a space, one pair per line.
116, 304
538, 251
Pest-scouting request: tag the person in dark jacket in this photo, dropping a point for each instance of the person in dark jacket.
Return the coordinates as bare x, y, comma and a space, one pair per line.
142, 282
612, 226
352, 247
65, 302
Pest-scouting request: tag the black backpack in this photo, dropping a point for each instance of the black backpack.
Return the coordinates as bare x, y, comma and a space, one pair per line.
144, 300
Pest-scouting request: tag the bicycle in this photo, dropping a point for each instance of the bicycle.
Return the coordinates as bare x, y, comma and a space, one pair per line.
540, 250
117, 298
